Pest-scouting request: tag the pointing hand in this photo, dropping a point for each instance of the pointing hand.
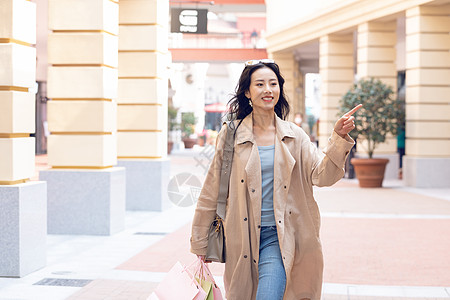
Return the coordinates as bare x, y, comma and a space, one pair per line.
347, 122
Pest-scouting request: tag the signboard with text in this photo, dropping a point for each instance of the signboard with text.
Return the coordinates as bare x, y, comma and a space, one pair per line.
187, 20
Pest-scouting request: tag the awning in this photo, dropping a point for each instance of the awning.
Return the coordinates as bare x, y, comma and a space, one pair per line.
216, 107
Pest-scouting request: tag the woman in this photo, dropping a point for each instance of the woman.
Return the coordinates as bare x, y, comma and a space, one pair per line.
272, 221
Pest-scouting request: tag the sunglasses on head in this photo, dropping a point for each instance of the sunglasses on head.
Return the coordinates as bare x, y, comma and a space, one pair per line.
259, 61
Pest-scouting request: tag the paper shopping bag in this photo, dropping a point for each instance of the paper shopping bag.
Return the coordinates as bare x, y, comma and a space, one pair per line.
153, 297
207, 282
207, 287
217, 293
179, 284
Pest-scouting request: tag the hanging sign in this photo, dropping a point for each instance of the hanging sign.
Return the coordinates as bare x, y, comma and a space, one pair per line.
187, 20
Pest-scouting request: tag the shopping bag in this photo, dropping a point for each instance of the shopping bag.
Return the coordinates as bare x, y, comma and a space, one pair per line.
207, 286
217, 293
207, 282
153, 297
178, 284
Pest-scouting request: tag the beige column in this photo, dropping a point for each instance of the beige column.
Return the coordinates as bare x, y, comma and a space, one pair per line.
427, 160
17, 76
293, 87
82, 86
23, 211
337, 73
143, 61
298, 105
377, 58
142, 102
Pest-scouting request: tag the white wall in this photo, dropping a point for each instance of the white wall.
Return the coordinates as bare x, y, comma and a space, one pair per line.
281, 13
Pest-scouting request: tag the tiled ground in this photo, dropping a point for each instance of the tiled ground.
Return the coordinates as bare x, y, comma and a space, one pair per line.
115, 289
398, 252
161, 256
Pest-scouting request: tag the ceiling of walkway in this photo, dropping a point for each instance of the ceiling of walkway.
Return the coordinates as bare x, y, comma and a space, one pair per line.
222, 6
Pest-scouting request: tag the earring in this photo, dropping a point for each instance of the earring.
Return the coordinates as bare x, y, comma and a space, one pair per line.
250, 102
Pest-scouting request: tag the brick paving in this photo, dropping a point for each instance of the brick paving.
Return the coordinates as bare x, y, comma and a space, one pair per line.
375, 237
386, 251
115, 289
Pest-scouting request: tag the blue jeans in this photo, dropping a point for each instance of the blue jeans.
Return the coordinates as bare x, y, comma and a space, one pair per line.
272, 276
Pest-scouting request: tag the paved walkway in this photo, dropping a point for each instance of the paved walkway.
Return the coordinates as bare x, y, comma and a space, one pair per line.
389, 243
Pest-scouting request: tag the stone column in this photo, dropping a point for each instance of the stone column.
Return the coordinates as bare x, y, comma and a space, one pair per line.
86, 193
23, 204
298, 103
377, 58
142, 102
286, 62
337, 74
427, 160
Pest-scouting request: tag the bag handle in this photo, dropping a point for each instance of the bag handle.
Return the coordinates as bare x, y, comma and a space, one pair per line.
202, 270
199, 268
227, 160
207, 274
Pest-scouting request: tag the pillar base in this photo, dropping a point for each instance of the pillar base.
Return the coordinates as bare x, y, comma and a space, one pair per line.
23, 228
147, 182
426, 172
88, 202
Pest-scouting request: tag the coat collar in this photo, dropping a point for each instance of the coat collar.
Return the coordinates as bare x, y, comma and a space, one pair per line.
244, 133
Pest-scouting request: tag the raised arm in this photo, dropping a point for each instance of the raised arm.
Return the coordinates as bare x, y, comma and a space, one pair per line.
328, 167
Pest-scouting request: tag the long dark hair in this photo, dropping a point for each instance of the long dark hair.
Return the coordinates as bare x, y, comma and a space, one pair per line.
239, 106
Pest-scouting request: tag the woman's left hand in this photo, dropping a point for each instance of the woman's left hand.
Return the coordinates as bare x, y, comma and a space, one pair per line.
347, 122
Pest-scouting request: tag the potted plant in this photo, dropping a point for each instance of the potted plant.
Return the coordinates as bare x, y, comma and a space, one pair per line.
173, 125
201, 138
188, 121
381, 114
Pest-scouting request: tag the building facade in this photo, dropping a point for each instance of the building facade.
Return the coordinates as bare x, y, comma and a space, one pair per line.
347, 40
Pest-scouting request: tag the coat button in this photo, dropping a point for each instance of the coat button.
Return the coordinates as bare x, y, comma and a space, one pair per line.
245, 256
259, 226
253, 190
242, 180
284, 186
279, 221
282, 139
245, 219
290, 212
254, 261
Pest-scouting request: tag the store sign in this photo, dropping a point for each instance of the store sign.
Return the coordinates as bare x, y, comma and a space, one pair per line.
189, 20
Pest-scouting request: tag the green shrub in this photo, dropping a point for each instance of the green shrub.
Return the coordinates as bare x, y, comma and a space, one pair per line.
188, 121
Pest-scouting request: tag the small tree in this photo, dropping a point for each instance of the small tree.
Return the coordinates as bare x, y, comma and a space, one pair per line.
380, 115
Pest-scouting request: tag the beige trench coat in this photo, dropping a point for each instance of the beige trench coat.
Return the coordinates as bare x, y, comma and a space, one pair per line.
298, 165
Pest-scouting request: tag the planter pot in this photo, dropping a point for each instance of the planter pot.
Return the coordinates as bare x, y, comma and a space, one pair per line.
369, 171
169, 147
201, 142
189, 143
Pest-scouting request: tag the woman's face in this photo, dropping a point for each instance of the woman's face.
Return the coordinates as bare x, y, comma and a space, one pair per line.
264, 90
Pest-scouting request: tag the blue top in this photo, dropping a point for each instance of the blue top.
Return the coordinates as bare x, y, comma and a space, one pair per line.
266, 155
